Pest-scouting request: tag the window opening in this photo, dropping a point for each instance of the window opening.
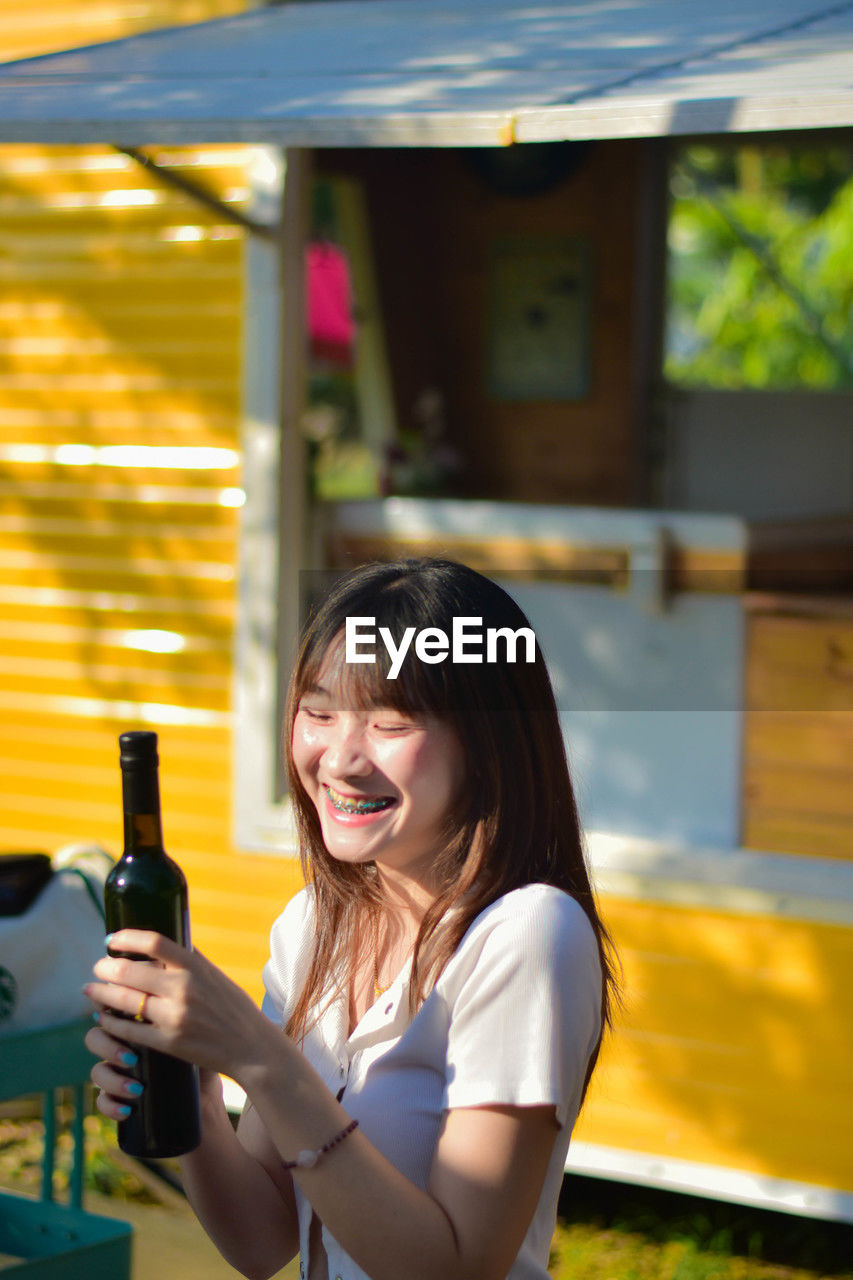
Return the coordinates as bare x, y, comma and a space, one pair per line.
760, 266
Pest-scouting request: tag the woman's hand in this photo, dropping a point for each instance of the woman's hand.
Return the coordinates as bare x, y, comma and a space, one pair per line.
191, 1010
234, 1180
118, 1090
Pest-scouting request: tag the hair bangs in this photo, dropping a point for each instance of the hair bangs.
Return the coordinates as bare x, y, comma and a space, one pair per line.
393, 610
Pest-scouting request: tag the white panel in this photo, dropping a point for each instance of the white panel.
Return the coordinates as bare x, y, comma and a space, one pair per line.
650, 705
714, 1181
576, 526
736, 881
765, 455
272, 516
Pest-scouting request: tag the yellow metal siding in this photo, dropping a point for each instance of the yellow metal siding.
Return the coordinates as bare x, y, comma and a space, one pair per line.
27, 30
736, 1046
120, 332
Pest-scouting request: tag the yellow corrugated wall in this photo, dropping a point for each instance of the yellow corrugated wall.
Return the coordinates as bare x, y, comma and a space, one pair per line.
120, 328
27, 30
735, 1048
120, 331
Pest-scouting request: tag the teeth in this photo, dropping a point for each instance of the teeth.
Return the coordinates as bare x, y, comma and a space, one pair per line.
363, 805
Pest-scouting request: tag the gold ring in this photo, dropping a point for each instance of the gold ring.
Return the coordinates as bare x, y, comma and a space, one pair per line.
139, 1016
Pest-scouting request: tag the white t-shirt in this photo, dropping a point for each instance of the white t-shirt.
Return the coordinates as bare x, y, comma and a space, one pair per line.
512, 1020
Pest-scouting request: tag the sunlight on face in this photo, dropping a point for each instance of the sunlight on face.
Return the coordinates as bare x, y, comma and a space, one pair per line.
382, 780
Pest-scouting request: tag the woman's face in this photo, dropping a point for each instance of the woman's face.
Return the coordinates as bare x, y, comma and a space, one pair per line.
381, 781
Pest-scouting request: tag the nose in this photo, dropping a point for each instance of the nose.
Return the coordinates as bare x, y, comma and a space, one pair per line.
345, 754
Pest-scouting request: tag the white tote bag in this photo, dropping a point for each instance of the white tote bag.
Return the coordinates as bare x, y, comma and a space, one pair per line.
47, 952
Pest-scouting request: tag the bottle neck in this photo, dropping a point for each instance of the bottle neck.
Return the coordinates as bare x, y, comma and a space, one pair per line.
143, 829
142, 832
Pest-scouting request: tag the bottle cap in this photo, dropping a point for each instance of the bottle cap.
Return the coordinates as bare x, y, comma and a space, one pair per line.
138, 749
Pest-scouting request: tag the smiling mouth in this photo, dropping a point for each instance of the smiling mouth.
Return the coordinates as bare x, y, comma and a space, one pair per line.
363, 804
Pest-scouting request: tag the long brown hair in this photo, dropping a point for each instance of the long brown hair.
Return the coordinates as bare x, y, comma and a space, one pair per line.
516, 820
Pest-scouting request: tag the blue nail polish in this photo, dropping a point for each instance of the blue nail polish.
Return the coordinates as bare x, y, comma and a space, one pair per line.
128, 1059
134, 1088
96, 1016
108, 939
124, 1112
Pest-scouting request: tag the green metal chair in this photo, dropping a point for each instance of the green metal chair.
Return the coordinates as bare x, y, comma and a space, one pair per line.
53, 1241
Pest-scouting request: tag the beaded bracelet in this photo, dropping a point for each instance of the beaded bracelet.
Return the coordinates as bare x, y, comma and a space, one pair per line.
307, 1159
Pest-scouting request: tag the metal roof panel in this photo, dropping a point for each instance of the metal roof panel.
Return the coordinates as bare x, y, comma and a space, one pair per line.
427, 72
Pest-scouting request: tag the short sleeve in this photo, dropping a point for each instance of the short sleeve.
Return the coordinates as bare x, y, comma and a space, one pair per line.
524, 996
291, 943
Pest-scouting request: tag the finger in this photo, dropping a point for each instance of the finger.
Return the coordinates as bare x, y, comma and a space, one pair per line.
135, 1034
109, 1049
120, 1086
144, 942
134, 1004
113, 1108
142, 975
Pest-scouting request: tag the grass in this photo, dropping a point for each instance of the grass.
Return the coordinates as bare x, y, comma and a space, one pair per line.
605, 1230
106, 1169
613, 1231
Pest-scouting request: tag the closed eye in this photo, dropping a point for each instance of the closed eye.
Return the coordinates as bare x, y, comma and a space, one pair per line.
319, 717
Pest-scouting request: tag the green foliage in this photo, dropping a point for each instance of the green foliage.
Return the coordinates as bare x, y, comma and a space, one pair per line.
21, 1147
760, 288
609, 1231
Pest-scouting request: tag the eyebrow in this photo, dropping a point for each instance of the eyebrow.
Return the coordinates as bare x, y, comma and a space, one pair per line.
315, 689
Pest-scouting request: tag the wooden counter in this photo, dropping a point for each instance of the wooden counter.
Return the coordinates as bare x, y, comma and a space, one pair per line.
811, 557
791, 747
798, 724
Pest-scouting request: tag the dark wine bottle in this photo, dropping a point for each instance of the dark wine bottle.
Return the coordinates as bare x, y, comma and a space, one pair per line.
146, 889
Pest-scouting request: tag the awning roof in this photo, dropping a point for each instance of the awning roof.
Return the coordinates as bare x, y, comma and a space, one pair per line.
439, 73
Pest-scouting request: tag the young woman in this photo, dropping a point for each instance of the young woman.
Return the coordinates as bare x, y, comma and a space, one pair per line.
435, 996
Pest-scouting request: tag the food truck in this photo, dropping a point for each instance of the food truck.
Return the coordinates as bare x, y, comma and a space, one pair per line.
319, 283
